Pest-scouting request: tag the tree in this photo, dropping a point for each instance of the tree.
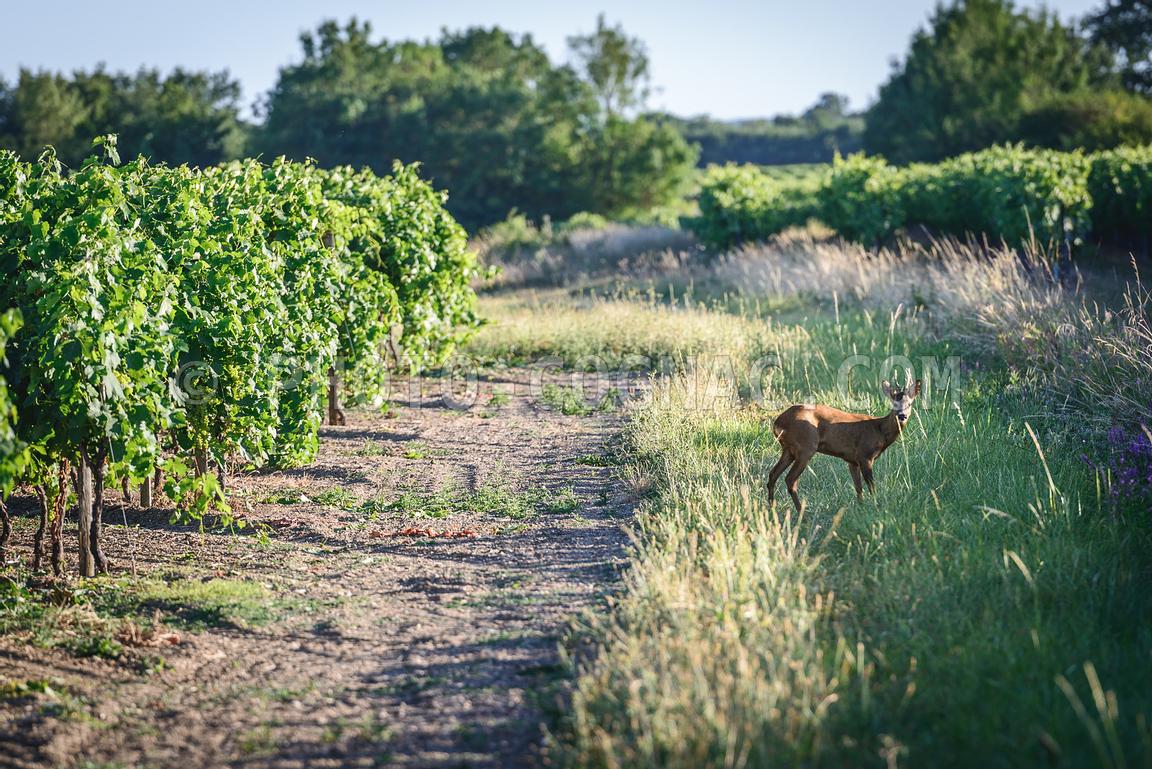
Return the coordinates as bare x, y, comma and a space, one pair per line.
829, 111
969, 78
1089, 120
616, 66
43, 109
1125, 27
184, 117
487, 114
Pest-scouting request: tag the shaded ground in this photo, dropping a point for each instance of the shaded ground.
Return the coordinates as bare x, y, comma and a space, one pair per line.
364, 648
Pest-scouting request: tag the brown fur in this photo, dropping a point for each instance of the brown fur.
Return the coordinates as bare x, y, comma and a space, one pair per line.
858, 439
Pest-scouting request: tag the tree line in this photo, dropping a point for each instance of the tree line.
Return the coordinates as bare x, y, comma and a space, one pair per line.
826, 128
486, 112
495, 121
985, 72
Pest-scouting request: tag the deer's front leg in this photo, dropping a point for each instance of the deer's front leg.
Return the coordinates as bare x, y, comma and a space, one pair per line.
855, 469
866, 470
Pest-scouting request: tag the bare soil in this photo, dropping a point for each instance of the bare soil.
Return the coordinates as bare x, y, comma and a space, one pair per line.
388, 647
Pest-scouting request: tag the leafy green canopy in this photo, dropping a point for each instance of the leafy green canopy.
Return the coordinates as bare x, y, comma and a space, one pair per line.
743, 204
488, 116
1007, 193
182, 117
1125, 27
171, 312
969, 79
13, 451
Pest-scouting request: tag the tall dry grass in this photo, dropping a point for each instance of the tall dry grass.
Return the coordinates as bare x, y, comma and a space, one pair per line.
1086, 347
968, 614
982, 609
630, 330
544, 257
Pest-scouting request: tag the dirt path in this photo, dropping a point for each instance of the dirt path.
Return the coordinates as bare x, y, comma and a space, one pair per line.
381, 649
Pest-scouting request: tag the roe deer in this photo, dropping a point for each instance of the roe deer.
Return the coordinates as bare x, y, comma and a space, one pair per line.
806, 430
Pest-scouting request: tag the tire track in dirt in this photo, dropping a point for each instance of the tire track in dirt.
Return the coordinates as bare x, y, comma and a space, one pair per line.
397, 651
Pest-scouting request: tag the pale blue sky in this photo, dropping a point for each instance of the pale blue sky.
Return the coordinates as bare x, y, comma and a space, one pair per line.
724, 57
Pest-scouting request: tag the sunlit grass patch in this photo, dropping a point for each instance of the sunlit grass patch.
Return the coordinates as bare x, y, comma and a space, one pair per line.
938, 622
101, 618
604, 334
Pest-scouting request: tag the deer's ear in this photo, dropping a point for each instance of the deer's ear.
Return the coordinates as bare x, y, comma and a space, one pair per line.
917, 387
886, 388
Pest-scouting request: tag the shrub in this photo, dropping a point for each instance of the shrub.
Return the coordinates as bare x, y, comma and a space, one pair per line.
1120, 184
1089, 120
583, 220
739, 204
1006, 193
861, 199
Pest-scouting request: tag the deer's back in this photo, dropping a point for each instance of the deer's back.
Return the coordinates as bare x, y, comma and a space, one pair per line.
835, 432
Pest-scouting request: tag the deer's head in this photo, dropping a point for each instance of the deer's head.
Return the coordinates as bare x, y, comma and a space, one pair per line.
902, 397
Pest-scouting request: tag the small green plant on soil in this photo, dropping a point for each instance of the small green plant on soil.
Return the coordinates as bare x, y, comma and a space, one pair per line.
94, 644
333, 732
372, 730
499, 400
416, 451
571, 402
563, 501
32, 687
371, 448
566, 400
284, 497
257, 741
288, 693
496, 498
337, 497
438, 504
92, 619
55, 701
597, 460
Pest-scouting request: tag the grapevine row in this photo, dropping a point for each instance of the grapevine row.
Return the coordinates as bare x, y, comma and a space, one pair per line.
163, 322
1006, 193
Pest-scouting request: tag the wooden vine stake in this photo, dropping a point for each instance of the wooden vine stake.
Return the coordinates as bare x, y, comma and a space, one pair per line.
335, 412
84, 501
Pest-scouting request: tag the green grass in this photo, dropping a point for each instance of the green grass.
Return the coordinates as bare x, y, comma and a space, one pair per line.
561, 502
372, 448
570, 401
588, 333
497, 498
937, 623
416, 451
438, 504
337, 497
87, 619
598, 460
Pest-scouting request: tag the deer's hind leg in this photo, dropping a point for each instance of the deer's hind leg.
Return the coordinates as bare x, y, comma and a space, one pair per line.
786, 459
866, 469
792, 480
856, 478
